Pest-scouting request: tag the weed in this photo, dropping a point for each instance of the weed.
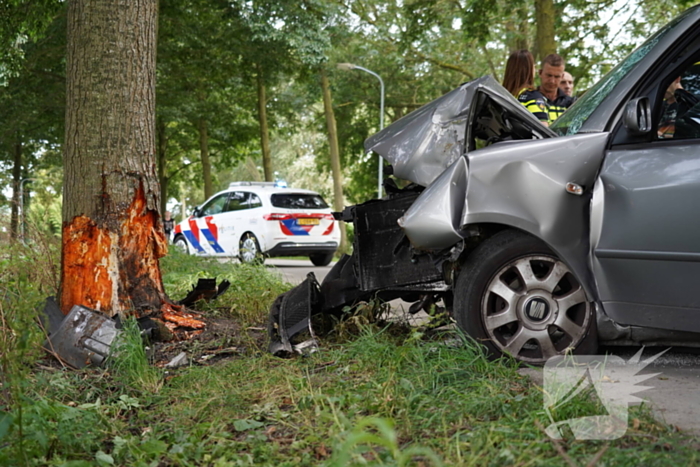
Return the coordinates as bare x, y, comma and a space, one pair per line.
129, 363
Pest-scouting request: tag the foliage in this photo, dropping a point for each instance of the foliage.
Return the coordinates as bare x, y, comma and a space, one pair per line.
380, 396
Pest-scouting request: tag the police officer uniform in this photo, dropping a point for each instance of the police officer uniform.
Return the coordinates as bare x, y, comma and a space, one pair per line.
542, 108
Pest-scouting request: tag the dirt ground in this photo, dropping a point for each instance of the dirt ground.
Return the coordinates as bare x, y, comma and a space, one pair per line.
221, 339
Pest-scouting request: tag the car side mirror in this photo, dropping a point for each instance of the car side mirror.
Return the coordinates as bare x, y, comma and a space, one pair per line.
637, 117
196, 212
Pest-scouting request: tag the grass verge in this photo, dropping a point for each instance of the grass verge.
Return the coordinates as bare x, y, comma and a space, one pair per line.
380, 395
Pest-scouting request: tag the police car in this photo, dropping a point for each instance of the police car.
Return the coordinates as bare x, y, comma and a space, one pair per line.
252, 220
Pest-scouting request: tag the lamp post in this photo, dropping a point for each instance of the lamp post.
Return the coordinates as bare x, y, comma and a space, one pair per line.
21, 206
350, 66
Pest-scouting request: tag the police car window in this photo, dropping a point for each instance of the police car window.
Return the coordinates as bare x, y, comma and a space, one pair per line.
255, 201
238, 201
215, 206
298, 201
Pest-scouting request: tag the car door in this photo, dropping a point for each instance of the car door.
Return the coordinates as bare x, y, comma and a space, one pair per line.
645, 216
203, 233
231, 225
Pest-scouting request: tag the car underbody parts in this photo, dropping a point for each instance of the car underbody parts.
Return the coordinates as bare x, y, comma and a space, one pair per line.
382, 265
290, 319
206, 289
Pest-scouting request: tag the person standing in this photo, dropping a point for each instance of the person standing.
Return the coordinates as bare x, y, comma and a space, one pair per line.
168, 224
548, 102
567, 84
520, 73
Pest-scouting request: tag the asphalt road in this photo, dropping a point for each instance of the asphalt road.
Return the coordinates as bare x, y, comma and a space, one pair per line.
673, 394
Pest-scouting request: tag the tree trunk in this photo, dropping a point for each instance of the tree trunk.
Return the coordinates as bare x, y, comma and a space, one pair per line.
338, 203
16, 188
204, 153
264, 134
112, 233
162, 162
544, 15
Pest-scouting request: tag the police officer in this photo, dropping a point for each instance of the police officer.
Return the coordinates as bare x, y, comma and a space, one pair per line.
548, 102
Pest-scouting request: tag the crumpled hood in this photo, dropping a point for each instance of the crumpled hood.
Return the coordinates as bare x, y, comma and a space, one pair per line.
421, 145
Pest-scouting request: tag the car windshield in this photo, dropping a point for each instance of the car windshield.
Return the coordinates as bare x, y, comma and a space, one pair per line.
298, 201
572, 120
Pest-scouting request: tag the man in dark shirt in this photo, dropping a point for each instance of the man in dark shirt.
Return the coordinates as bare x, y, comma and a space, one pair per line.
548, 102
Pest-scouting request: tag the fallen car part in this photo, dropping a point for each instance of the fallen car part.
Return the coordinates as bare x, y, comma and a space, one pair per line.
206, 289
83, 338
383, 265
290, 319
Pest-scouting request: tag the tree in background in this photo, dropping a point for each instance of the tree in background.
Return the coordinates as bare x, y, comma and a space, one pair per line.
112, 234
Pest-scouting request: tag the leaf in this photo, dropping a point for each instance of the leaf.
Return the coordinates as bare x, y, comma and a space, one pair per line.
6, 420
245, 425
103, 458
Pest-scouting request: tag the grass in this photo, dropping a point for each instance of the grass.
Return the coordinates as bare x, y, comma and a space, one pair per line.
373, 395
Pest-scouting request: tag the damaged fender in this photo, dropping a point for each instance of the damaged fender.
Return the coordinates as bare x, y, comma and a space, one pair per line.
521, 185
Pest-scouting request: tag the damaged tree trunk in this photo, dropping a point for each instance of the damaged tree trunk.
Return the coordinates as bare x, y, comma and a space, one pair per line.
112, 232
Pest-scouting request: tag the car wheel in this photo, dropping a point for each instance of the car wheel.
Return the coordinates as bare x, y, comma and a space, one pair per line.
249, 250
321, 259
517, 297
181, 244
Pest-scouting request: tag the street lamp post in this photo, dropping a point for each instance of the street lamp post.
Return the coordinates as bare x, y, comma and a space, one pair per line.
350, 66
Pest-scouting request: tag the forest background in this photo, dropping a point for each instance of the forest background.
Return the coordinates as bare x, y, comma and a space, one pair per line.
241, 84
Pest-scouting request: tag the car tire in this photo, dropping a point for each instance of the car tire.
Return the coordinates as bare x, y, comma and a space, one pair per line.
181, 244
517, 297
249, 250
321, 259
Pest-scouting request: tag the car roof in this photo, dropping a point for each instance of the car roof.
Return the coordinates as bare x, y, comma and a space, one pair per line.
265, 187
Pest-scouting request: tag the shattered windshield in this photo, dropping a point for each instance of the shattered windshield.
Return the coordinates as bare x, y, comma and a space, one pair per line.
572, 120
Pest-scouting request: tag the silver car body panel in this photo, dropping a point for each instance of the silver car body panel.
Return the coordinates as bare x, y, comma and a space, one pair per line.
518, 184
421, 145
645, 235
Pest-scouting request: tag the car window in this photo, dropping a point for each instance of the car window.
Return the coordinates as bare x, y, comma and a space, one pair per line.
298, 201
215, 205
573, 119
238, 201
255, 201
679, 114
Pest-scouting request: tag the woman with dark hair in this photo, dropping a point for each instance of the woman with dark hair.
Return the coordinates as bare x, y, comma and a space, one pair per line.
520, 72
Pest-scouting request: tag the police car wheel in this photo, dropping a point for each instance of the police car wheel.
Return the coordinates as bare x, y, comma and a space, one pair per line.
517, 297
249, 250
181, 244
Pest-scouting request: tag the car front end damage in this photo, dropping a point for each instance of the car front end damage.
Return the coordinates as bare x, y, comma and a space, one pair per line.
480, 166
408, 244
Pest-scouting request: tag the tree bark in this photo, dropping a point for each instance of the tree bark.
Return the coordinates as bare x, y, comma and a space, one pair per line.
338, 199
162, 146
204, 154
16, 188
264, 133
112, 233
544, 16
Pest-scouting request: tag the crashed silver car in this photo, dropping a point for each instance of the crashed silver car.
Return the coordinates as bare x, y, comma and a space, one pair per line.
538, 240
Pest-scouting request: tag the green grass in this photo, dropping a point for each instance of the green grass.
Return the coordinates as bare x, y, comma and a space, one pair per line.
377, 396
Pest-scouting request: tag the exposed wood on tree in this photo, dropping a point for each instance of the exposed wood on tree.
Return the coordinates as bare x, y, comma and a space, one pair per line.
264, 132
338, 203
112, 233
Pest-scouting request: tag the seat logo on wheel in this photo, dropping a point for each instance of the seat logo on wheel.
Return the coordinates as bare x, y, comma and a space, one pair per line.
537, 309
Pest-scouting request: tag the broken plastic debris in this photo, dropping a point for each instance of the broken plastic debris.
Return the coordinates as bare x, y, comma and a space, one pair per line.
178, 361
84, 337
